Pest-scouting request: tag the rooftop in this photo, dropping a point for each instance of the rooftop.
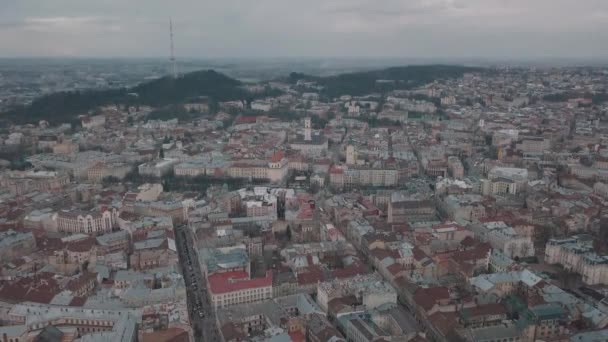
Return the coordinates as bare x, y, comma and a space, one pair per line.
234, 281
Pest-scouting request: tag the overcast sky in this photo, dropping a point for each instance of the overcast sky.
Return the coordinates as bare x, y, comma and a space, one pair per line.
306, 28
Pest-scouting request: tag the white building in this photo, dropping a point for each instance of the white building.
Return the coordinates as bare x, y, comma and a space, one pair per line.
93, 324
93, 121
504, 137
14, 139
601, 189
498, 186
86, 222
576, 254
277, 167
351, 155
353, 108
517, 175
310, 143
236, 287
149, 192
371, 289
157, 168
504, 238
263, 106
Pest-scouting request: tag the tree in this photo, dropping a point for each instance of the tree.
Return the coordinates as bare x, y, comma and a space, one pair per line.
511, 248
109, 180
288, 233
362, 83
488, 140
314, 188
525, 249
161, 153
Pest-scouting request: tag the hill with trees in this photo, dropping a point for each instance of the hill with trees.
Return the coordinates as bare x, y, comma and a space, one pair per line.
66, 106
167, 92
379, 81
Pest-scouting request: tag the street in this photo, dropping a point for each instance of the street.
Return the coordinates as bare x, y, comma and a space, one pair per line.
200, 308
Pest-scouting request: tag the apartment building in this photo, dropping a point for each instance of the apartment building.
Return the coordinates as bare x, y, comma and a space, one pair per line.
576, 254
236, 287
76, 221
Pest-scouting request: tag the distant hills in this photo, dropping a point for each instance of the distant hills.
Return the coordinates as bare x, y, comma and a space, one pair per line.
66, 106
361, 83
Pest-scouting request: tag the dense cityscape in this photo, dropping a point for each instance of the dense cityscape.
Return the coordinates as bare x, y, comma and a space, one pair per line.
424, 203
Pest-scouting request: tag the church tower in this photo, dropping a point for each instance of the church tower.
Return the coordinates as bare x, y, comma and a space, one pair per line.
351, 155
307, 129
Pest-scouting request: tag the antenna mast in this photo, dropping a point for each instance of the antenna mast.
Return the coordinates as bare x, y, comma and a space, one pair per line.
172, 58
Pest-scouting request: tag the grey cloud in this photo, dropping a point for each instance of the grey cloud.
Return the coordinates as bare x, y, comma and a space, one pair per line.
242, 28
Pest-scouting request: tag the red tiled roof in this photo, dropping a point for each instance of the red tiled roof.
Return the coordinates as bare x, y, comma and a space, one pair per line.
277, 156
323, 162
297, 336
236, 281
305, 213
127, 216
246, 120
444, 321
479, 252
350, 271
83, 245
48, 243
428, 297
336, 170
419, 254
487, 310
41, 288
78, 301
381, 254
396, 268
337, 304
167, 335
313, 276
468, 241
80, 281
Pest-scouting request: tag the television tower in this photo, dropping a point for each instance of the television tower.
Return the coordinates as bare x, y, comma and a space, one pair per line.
172, 58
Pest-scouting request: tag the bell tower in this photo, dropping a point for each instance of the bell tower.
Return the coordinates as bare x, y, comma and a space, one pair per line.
307, 129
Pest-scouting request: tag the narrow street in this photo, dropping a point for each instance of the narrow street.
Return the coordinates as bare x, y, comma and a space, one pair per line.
200, 308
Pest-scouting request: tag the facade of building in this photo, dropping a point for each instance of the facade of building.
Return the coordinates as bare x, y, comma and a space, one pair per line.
236, 287
21, 182
576, 254
157, 168
371, 289
311, 144
87, 222
277, 167
410, 210
102, 170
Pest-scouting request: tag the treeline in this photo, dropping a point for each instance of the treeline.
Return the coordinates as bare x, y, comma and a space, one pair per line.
202, 183
176, 111
362, 83
374, 122
597, 98
171, 182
